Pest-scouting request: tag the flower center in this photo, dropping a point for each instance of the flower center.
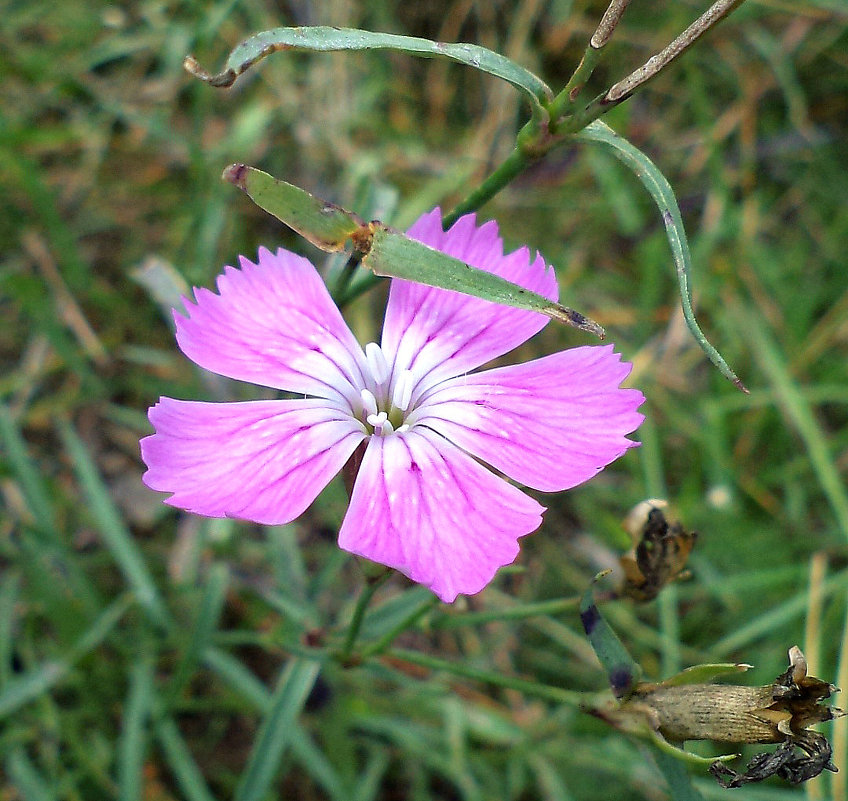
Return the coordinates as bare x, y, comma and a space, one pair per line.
385, 406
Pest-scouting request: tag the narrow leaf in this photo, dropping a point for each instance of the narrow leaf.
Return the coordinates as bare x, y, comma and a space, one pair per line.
662, 193
182, 764
622, 671
256, 47
323, 224
387, 252
703, 674
679, 784
277, 729
201, 631
395, 255
31, 483
132, 745
25, 779
111, 526
25, 687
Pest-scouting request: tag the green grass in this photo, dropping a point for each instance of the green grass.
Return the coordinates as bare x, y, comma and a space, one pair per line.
145, 653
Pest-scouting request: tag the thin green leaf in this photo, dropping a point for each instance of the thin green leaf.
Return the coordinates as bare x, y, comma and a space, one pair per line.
317, 764
324, 224
679, 784
703, 674
24, 688
622, 670
31, 483
277, 729
387, 252
10, 584
179, 758
26, 779
132, 745
115, 534
260, 45
662, 193
394, 255
238, 677
201, 631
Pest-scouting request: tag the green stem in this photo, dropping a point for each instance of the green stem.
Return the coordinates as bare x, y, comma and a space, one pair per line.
388, 638
365, 597
553, 607
340, 294
564, 101
513, 165
533, 688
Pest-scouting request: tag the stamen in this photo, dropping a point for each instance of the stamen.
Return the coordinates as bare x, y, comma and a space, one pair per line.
402, 394
377, 362
369, 402
380, 423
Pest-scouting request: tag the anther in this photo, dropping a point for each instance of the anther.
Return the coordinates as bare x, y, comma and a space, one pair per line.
369, 402
376, 362
402, 394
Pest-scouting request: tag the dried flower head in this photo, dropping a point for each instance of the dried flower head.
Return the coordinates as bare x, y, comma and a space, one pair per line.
780, 712
660, 550
410, 408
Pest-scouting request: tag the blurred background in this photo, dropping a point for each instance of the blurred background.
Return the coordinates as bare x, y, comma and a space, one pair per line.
144, 652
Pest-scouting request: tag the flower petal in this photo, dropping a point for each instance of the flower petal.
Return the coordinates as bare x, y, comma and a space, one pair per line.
422, 506
274, 324
264, 461
440, 333
549, 424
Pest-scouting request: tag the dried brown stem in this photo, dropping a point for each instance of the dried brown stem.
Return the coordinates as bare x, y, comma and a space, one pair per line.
608, 22
714, 14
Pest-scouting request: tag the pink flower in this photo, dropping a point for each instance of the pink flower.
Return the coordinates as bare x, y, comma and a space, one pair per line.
422, 502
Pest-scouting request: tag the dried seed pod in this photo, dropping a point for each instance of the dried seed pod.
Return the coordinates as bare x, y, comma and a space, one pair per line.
780, 712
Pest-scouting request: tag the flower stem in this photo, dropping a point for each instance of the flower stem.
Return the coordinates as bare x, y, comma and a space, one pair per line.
532, 688
388, 638
513, 165
566, 99
372, 585
519, 612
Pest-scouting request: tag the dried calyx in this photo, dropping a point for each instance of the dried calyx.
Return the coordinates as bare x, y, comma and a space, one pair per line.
780, 712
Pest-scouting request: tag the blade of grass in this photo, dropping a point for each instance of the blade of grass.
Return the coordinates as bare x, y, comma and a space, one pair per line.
25, 778
676, 776
115, 534
31, 484
10, 585
202, 630
133, 742
799, 412
179, 758
276, 731
777, 616
238, 677
22, 689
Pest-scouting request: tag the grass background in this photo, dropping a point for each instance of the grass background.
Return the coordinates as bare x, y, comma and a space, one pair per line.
148, 654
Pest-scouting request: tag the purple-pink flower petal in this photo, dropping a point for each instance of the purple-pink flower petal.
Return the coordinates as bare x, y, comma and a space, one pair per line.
264, 461
550, 424
275, 324
439, 333
424, 507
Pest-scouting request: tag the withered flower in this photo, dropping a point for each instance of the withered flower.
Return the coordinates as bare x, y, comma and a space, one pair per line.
780, 712
660, 550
